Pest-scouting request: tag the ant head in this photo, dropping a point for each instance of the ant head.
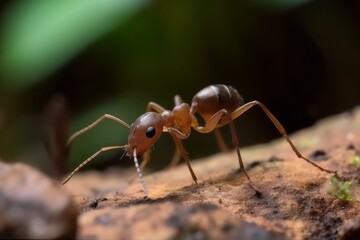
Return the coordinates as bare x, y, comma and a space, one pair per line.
144, 132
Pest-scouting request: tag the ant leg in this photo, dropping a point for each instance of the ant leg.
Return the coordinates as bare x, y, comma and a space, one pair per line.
177, 133
184, 154
235, 142
152, 106
178, 100
104, 149
146, 159
177, 156
279, 127
157, 108
220, 140
211, 125
94, 124
175, 160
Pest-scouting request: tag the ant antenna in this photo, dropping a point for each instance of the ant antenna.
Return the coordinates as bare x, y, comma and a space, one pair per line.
94, 124
139, 174
104, 149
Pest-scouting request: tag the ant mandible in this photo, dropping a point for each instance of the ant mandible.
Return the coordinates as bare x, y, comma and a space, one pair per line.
218, 105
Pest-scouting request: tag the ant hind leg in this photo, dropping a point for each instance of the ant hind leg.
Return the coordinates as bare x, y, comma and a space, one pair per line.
213, 123
279, 127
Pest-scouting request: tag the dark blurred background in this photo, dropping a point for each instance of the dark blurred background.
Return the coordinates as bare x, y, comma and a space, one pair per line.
65, 63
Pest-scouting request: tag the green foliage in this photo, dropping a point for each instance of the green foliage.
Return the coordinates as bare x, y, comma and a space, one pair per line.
280, 4
339, 189
356, 161
40, 36
113, 56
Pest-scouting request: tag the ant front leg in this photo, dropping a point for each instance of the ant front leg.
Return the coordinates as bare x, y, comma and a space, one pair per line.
177, 155
279, 127
152, 106
177, 136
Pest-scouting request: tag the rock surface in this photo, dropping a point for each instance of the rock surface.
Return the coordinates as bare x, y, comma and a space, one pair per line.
33, 206
294, 202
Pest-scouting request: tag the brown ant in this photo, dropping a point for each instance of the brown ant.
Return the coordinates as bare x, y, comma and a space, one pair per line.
218, 105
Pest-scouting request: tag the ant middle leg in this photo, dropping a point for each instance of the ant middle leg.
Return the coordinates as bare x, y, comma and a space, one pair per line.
152, 106
178, 100
212, 123
220, 140
175, 159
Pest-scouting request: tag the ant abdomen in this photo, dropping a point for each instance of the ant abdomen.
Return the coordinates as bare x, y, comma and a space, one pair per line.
214, 98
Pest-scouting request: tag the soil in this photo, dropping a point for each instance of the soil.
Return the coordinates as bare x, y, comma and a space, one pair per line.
293, 201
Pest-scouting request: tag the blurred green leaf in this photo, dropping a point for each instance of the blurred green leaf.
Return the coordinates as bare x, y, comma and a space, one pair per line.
39, 36
280, 4
356, 161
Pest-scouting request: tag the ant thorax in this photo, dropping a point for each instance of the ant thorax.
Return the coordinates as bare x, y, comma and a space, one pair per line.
182, 118
168, 118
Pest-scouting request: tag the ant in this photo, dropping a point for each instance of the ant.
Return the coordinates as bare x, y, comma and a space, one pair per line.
218, 105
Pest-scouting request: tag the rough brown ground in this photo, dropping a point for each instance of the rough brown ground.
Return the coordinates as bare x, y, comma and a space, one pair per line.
294, 201
33, 206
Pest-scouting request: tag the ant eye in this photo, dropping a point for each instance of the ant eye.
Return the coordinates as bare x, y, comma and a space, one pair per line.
150, 132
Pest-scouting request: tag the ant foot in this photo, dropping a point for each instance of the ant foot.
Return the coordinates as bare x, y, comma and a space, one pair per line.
257, 192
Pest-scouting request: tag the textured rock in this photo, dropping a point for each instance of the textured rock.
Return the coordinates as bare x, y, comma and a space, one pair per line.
33, 206
169, 220
294, 202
